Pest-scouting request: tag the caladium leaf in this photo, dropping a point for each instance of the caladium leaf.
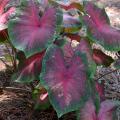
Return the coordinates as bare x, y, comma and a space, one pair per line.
68, 50
99, 29
71, 24
101, 58
85, 48
73, 5
100, 87
4, 15
65, 82
106, 110
32, 33
2, 6
30, 69
88, 112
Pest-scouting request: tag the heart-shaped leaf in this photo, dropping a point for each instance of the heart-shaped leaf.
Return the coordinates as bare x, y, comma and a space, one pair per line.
30, 69
101, 58
99, 29
105, 112
32, 33
66, 82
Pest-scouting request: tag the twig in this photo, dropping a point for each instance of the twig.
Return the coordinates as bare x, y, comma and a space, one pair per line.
107, 74
4, 63
15, 89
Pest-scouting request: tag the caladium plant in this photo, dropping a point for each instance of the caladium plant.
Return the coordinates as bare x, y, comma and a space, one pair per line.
45, 31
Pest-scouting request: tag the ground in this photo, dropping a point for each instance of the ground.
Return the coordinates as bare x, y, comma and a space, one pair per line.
16, 104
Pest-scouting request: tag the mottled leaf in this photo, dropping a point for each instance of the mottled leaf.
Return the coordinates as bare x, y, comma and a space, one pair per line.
32, 33
65, 82
2, 6
30, 69
85, 48
101, 58
4, 15
88, 112
99, 29
106, 110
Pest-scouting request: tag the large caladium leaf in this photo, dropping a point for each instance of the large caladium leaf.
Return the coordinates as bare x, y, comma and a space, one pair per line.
32, 33
4, 15
30, 69
101, 58
66, 82
99, 29
105, 112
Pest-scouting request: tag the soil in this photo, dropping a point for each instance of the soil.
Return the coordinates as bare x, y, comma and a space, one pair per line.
16, 101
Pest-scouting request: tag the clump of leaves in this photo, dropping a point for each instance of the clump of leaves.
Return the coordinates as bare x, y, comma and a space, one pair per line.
41, 30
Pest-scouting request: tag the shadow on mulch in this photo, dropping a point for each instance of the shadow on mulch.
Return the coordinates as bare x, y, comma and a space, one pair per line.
16, 104
13, 107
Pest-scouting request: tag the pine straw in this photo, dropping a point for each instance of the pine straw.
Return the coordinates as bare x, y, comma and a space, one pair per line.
112, 84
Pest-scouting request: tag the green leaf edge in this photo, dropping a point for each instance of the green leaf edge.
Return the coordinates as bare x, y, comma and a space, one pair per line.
52, 101
12, 22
